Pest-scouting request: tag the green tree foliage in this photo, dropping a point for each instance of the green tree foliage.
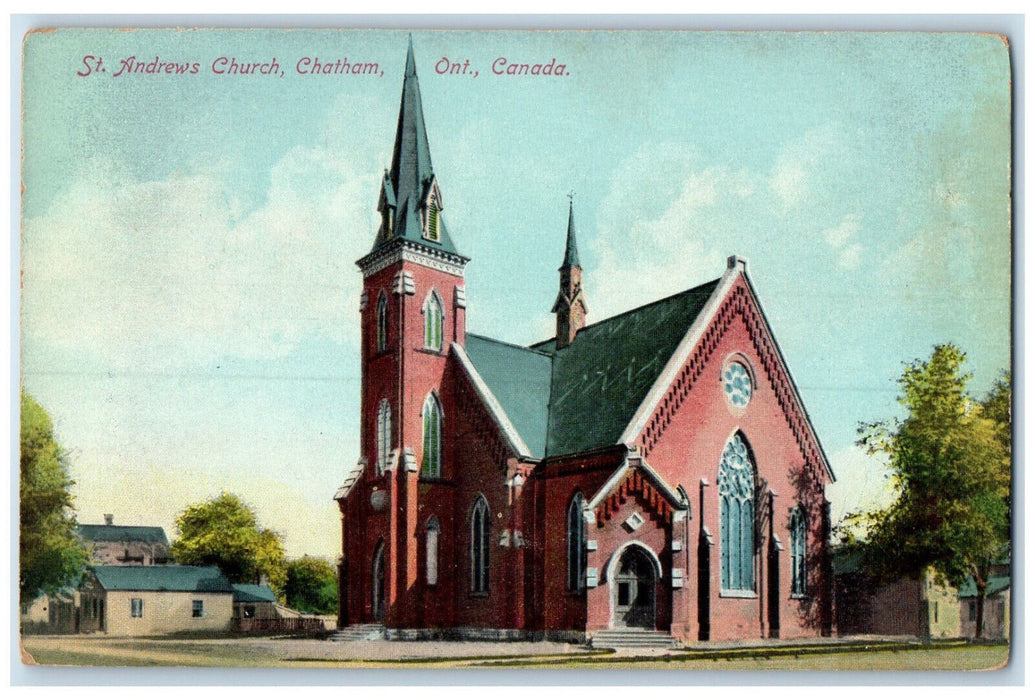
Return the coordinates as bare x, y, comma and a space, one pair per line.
311, 586
950, 463
224, 532
51, 555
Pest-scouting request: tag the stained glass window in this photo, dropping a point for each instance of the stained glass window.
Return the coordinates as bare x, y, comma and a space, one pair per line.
432, 459
384, 435
737, 516
576, 543
798, 539
736, 383
433, 322
481, 535
382, 323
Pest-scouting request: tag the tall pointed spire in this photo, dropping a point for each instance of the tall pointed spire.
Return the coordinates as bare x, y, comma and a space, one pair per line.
411, 158
411, 202
570, 305
571, 249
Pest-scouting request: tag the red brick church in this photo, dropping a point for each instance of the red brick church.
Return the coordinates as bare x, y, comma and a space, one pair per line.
654, 470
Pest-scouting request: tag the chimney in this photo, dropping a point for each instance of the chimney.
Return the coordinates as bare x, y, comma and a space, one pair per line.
109, 519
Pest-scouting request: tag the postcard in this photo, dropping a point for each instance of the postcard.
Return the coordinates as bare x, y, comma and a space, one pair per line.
498, 348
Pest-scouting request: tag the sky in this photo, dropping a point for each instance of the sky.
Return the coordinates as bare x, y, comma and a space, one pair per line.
190, 300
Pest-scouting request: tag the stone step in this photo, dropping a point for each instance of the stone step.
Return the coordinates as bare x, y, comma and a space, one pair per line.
626, 638
359, 633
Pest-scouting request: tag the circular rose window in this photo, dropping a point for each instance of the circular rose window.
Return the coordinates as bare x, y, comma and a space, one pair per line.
736, 382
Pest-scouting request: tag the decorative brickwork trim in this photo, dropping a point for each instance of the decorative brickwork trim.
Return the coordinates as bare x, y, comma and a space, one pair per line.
635, 485
738, 304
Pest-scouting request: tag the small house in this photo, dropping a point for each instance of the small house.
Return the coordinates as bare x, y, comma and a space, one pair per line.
147, 600
996, 615
254, 606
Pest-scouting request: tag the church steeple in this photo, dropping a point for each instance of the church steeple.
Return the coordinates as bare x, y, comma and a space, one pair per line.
570, 305
410, 201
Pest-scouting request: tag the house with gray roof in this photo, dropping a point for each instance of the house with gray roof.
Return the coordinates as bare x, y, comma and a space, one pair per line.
109, 543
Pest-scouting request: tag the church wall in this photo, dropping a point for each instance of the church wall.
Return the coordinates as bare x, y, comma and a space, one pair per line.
690, 449
564, 609
478, 471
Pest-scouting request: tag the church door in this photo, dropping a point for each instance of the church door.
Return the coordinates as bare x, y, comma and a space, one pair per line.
633, 592
378, 597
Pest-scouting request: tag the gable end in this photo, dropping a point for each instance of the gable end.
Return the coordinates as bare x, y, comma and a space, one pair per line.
737, 301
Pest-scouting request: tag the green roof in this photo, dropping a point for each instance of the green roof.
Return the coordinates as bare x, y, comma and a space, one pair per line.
995, 585
253, 593
407, 183
583, 396
600, 379
198, 579
519, 378
123, 533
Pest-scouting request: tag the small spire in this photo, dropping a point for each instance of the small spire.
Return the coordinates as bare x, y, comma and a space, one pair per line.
570, 305
571, 249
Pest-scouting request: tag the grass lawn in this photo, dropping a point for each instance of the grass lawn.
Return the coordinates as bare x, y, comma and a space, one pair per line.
290, 653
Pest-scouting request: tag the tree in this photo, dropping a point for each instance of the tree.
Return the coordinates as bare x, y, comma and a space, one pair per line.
311, 585
224, 532
950, 463
51, 555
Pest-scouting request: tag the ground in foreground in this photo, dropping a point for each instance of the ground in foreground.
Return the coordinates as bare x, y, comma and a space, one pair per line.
307, 653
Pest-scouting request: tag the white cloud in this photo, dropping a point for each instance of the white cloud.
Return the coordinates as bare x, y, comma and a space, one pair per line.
842, 240
172, 271
672, 238
798, 163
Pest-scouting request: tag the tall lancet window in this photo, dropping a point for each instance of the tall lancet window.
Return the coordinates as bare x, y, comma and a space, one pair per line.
798, 538
433, 317
432, 530
576, 543
431, 464
384, 435
737, 516
382, 322
481, 535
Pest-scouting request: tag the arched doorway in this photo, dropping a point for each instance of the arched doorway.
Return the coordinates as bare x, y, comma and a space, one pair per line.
633, 589
377, 607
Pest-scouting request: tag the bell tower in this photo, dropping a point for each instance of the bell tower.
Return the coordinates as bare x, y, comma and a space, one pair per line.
412, 310
570, 305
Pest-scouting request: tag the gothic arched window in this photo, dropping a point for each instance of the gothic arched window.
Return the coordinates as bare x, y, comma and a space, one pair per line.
431, 464
384, 435
382, 323
481, 534
799, 529
576, 543
432, 530
433, 321
737, 516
